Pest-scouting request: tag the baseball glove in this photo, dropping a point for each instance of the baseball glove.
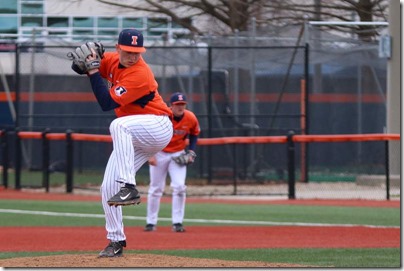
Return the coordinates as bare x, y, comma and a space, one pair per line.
186, 158
80, 63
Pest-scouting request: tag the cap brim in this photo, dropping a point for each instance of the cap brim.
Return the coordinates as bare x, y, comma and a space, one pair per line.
132, 49
179, 102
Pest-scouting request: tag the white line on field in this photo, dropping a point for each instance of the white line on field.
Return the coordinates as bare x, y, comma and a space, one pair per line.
217, 221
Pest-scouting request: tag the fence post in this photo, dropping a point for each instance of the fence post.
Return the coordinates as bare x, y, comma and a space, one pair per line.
69, 162
45, 160
291, 165
387, 169
4, 151
307, 110
210, 117
17, 159
235, 173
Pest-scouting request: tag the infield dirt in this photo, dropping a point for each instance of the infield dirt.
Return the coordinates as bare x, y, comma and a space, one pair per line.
132, 260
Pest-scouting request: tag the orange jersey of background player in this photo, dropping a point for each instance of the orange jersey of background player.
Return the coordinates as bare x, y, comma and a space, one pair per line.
133, 88
187, 125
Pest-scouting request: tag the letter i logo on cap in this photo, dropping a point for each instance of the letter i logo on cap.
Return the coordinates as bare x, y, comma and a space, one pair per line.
134, 40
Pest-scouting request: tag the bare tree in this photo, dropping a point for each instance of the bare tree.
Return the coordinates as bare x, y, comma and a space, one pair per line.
294, 12
226, 16
222, 16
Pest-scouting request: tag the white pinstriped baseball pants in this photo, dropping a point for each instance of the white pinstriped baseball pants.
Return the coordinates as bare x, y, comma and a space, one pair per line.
135, 139
158, 175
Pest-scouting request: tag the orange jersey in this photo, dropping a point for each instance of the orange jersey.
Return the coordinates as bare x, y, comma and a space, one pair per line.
133, 88
188, 125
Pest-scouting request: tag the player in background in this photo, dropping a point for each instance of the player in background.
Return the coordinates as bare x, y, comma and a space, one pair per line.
186, 125
142, 127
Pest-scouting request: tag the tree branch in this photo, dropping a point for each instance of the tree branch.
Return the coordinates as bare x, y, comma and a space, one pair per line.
236, 14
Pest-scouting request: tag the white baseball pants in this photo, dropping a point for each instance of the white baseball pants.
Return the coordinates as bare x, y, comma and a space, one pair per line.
158, 175
135, 139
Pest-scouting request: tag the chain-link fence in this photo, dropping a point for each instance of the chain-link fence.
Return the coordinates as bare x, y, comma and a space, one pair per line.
245, 85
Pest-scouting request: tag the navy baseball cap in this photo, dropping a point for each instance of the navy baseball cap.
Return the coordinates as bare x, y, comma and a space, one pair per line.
178, 98
131, 40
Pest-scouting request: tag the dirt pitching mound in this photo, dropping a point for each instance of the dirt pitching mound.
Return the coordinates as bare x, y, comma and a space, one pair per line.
130, 260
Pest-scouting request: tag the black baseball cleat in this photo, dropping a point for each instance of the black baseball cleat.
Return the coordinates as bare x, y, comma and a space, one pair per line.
150, 227
177, 227
114, 249
128, 195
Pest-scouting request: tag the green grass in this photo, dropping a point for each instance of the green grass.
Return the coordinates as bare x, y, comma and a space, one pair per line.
260, 212
356, 258
387, 257
332, 178
94, 177
83, 178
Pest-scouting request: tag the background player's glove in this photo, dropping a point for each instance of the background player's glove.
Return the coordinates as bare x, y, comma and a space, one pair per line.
80, 63
186, 158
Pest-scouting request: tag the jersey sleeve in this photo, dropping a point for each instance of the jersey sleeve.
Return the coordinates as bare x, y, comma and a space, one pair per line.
195, 128
104, 64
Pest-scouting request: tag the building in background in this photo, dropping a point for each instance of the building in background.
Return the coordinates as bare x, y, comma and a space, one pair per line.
76, 21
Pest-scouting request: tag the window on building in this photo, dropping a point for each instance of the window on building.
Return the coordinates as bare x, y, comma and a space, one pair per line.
107, 22
32, 8
151, 33
83, 22
32, 15
57, 22
157, 23
132, 23
8, 24
8, 6
31, 21
108, 33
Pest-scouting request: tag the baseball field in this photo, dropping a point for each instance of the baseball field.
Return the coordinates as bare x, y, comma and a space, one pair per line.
67, 230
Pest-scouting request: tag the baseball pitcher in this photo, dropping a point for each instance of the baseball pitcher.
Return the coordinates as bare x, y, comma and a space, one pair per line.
142, 127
